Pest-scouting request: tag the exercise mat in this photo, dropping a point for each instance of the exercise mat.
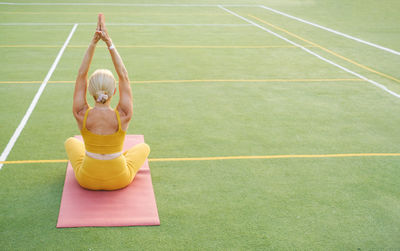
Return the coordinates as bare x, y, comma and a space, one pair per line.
134, 205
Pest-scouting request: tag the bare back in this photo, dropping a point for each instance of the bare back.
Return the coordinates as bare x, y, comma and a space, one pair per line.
104, 121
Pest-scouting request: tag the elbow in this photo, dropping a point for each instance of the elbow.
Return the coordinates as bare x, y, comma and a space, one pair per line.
123, 75
123, 79
82, 74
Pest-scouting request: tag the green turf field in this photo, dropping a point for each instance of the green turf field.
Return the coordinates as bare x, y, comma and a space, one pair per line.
207, 83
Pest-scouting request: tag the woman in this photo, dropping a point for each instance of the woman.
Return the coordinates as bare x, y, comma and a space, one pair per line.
99, 163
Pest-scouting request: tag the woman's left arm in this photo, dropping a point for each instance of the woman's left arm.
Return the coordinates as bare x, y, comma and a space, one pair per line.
80, 104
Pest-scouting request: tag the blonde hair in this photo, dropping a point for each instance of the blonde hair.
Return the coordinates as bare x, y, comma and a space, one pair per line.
102, 85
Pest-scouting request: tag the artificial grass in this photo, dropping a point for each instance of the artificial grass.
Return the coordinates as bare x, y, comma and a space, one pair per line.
228, 119
312, 204
360, 54
257, 204
15, 112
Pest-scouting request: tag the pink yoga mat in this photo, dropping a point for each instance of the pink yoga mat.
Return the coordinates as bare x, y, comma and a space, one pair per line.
134, 205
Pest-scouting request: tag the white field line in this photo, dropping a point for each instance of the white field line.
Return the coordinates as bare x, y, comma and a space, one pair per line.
332, 30
28, 113
314, 54
131, 4
117, 24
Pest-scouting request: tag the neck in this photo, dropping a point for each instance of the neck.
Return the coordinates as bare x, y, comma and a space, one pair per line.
105, 106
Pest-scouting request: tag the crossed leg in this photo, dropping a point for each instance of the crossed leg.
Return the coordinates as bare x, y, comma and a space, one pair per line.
76, 152
135, 157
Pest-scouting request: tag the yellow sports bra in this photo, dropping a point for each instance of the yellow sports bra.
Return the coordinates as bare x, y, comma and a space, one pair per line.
103, 144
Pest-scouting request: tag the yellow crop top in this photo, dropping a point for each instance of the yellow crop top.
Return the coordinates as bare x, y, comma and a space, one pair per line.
103, 144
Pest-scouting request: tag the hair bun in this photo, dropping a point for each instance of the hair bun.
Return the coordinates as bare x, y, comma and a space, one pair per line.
102, 98
101, 85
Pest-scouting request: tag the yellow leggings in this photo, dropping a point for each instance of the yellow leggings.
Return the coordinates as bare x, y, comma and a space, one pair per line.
111, 174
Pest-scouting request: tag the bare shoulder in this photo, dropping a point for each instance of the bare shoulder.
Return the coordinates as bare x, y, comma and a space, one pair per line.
125, 117
80, 115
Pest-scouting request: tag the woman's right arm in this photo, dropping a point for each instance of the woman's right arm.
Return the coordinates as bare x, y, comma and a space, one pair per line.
125, 107
125, 104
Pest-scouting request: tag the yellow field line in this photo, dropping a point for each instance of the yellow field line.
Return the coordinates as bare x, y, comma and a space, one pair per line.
340, 155
157, 46
327, 50
278, 157
204, 80
34, 161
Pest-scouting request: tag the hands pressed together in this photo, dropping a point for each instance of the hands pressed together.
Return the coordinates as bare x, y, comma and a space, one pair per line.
101, 31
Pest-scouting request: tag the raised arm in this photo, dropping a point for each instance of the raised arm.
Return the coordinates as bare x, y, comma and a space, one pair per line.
80, 104
124, 107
